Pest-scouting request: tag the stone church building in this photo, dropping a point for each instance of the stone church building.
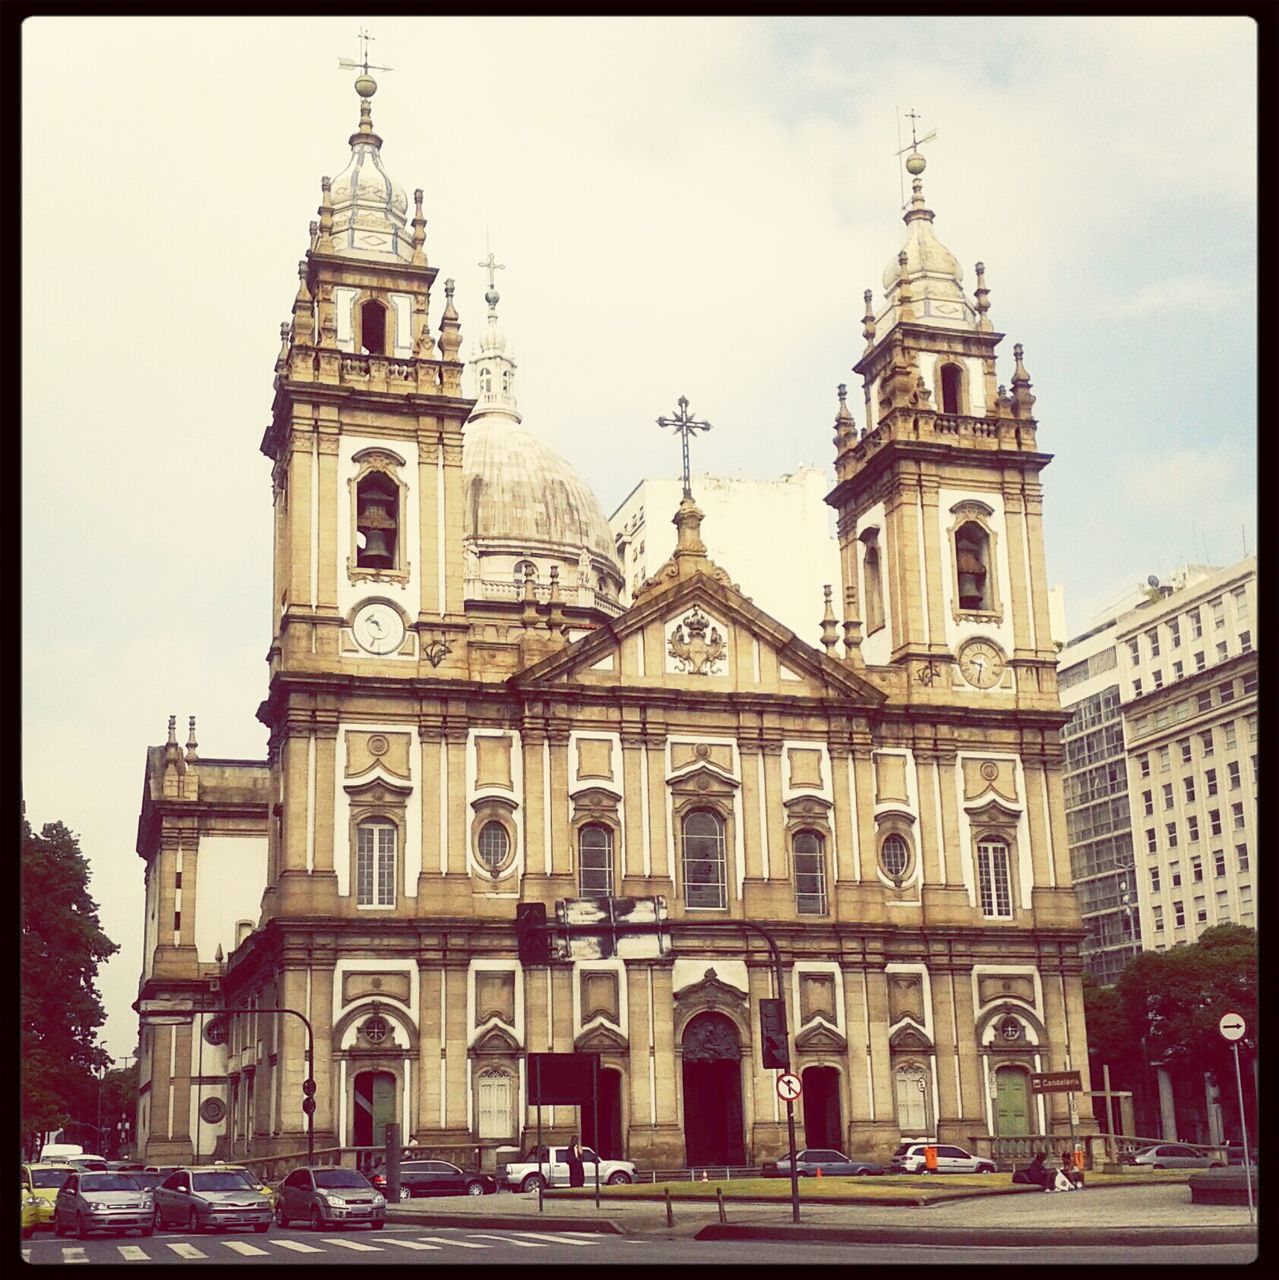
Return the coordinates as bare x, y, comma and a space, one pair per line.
463, 718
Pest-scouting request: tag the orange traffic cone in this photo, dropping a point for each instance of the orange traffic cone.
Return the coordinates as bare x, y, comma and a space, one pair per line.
819, 1171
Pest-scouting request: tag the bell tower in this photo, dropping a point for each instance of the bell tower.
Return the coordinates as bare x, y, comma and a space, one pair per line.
938, 497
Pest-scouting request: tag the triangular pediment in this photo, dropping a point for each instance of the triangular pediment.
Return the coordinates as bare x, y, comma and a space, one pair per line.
601, 1038
496, 1039
705, 780
910, 1035
705, 636
992, 812
819, 1036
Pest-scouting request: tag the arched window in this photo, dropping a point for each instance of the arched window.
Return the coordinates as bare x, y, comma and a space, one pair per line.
972, 564
914, 1115
375, 843
952, 383
894, 853
522, 570
494, 845
373, 328
486, 381
994, 878
495, 1096
810, 873
705, 879
506, 379
377, 521
872, 585
595, 861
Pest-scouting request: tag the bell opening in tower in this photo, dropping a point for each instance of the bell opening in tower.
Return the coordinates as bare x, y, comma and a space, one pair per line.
377, 521
972, 550
373, 329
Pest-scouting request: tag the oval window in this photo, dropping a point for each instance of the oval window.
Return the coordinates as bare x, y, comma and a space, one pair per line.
495, 845
895, 854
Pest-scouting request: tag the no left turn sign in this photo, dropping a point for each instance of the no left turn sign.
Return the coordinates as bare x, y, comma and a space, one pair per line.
1232, 1026
788, 1087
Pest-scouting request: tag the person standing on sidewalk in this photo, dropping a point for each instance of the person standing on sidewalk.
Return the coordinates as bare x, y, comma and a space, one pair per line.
576, 1166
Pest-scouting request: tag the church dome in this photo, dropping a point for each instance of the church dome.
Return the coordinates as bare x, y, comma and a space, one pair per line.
519, 491
369, 206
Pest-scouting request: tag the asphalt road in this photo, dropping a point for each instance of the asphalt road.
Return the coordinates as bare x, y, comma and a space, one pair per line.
460, 1247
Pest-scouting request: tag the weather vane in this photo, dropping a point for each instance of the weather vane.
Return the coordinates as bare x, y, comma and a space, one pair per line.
363, 64
684, 426
915, 163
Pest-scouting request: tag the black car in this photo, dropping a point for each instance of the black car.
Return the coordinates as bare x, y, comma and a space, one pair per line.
439, 1178
833, 1164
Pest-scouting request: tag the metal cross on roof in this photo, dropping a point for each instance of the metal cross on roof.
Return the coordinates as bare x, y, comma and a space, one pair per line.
684, 426
492, 265
915, 143
363, 64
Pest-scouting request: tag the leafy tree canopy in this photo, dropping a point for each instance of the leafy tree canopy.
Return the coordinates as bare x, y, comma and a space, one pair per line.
62, 947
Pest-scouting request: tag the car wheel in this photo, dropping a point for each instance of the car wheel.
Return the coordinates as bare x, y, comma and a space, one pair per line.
157, 1222
474, 1188
532, 1182
317, 1218
405, 1193
618, 1179
985, 1168
1216, 1164
281, 1218
81, 1231
193, 1223
860, 1173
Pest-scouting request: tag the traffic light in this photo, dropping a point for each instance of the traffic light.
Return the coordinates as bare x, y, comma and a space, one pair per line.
531, 935
772, 1034
308, 1087
308, 1106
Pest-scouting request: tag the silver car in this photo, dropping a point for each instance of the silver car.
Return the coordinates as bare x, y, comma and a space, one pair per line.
329, 1197
102, 1202
206, 1198
1172, 1155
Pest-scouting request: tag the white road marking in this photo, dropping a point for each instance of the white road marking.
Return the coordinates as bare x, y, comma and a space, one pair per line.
73, 1253
523, 1244
556, 1238
407, 1244
296, 1245
461, 1244
184, 1250
241, 1246
133, 1253
352, 1244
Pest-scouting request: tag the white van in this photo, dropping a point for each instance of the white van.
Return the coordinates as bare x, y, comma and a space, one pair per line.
57, 1152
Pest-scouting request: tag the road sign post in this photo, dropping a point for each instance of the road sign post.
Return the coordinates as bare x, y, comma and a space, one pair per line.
1232, 1028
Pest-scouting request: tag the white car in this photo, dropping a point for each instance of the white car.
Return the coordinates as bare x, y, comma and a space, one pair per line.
910, 1158
552, 1170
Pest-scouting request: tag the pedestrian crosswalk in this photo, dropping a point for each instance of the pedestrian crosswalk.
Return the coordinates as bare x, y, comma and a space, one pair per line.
336, 1246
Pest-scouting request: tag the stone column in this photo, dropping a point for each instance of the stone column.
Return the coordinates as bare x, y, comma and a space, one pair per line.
751, 834
300, 514
291, 1056
561, 847
774, 814
454, 524
929, 836
330, 507
632, 864
431, 595
1041, 865
658, 809
430, 1045
295, 762
881, 1058
1167, 1105
642, 1106
949, 1100
320, 1014
325, 770
864, 781
903, 565
459, 825
843, 818
1057, 817
1014, 514
947, 763
455, 1034
1038, 570
537, 857
929, 492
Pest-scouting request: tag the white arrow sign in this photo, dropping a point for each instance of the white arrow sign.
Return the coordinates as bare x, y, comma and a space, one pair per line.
788, 1087
1232, 1026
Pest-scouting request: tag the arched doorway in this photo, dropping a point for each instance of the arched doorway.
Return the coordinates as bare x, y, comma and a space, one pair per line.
713, 1127
374, 1107
1012, 1102
609, 1143
822, 1125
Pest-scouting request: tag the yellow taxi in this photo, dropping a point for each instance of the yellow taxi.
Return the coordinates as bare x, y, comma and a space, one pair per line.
30, 1205
42, 1182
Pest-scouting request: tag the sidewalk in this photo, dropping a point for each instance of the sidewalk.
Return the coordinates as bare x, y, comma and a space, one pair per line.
1118, 1215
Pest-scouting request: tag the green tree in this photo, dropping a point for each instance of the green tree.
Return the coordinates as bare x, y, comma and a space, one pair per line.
62, 947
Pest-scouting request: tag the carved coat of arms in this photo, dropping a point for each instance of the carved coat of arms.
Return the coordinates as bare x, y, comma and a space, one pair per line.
697, 652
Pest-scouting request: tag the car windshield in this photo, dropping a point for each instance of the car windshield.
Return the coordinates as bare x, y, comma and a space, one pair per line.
49, 1177
219, 1181
108, 1182
901, 1151
145, 1180
340, 1178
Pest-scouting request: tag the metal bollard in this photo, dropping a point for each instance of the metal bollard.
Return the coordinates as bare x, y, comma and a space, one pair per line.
719, 1196
670, 1213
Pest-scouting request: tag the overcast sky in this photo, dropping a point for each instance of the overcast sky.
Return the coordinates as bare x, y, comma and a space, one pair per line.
684, 206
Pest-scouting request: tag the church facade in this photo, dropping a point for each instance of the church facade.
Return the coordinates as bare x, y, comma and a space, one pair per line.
463, 717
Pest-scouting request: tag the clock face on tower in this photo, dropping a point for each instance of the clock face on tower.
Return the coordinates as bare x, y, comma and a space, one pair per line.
981, 663
378, 628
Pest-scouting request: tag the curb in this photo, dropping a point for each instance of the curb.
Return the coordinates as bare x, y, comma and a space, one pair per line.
510, 1221
1026, 1236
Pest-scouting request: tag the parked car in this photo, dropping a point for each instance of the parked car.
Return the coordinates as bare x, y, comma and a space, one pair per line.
57, 1152
1171, 1155
162, 1169
249, 1176
552, 1169
91, 1201
910, 1158
147, 1181
88, 1163
207, 1198
329, 1197
439, 1178
833, 1164
44, 1181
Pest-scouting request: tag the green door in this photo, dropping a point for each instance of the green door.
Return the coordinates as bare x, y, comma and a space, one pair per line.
374, 1107
1012, 1103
